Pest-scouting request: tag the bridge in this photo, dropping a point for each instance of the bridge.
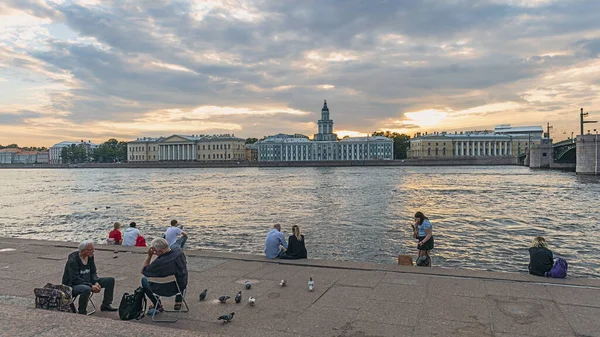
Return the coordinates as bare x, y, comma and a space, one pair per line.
565, 151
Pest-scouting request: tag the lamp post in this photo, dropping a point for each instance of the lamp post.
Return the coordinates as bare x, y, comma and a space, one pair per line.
581, 121
596, 164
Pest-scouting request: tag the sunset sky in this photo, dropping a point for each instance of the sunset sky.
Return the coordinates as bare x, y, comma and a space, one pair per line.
95, 69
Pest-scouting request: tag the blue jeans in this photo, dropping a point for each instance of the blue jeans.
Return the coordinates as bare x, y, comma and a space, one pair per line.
84, 291
148, 292
179, 242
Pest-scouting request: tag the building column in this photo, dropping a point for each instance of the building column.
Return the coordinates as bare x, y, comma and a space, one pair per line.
478, 149
462, 148
510, 148
495, 148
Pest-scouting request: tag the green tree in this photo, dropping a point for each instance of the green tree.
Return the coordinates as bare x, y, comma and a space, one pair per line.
74, 154
251, 140
401, 142
111, 151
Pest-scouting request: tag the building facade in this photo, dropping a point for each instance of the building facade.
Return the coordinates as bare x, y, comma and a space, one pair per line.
503, 141
55, 153
186, 148
7, 155
325, 145
251, 152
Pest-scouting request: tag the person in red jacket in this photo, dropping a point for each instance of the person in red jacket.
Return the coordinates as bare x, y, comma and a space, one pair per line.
115, 236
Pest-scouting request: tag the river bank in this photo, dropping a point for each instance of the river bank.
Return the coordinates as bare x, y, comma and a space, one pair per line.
483, 161
350, 298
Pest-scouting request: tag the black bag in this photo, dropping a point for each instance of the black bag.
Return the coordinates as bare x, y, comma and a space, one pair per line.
424, 261
133, 305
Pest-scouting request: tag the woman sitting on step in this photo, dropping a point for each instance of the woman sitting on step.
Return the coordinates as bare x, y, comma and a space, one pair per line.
296, 248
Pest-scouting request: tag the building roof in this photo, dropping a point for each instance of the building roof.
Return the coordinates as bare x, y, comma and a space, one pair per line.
365, 139
27, 153
506, 128
11, 150
69, 143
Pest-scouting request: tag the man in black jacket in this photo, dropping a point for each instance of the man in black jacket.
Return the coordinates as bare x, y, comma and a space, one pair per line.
168, 262
80, 274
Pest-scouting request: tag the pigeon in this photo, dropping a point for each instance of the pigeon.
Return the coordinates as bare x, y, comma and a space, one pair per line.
282, 283
248, 285
251, 301
203, 294
95, 208
238, 297
226, 318
107, 207
223, 299
311, 284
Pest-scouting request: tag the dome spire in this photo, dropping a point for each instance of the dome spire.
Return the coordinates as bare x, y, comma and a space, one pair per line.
325, 105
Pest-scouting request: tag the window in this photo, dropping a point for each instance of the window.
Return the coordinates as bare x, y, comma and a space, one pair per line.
203, 147
229, 146
203, 156
221, 146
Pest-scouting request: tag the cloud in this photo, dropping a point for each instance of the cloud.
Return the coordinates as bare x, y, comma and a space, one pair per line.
262, 67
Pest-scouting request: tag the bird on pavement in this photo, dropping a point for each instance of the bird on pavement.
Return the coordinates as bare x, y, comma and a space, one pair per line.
282, 283
251, 301
238, 297
226, 318
248, 285
311, 284
223, 299
107, 207
203, 294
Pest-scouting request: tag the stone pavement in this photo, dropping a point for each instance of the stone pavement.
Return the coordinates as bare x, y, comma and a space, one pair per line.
350, 299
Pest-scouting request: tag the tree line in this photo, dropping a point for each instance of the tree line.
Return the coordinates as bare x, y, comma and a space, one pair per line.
26, 148
111, 151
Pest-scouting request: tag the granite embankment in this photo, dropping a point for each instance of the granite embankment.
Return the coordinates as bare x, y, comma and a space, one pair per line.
350, 299
474, 161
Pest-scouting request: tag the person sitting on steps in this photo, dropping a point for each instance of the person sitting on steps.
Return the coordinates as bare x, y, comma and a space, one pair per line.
172, 233
296, 248
168, 262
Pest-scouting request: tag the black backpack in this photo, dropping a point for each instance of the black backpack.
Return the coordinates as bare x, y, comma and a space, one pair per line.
133, 305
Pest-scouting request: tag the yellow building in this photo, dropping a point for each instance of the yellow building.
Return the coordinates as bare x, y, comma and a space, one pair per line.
187, 148
503, 141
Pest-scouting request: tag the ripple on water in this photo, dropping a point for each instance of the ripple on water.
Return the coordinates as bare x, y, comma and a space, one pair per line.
484, 217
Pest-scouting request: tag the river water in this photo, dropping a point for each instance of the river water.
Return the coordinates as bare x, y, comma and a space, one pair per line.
483, 217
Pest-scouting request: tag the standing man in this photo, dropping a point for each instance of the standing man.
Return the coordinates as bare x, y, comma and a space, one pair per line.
80, 274
172, 234
275, 243
130, 235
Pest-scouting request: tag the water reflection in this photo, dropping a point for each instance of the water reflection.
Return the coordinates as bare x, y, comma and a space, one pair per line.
483, 217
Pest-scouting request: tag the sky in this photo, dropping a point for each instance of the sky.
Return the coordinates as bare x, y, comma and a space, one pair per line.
100, 69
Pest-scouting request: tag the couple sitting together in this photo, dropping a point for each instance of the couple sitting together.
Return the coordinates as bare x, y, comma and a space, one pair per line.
80, 274
276, 247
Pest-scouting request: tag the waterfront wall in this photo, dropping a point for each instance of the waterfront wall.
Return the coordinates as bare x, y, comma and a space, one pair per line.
588, 154
469, 161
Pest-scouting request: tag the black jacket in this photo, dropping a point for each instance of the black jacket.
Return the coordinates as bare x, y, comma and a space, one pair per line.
540, 261
296, 248
78, 273
171, 263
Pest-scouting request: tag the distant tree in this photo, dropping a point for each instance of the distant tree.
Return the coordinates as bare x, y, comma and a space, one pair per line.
110, 151
10, 146
401, 142
252, 140
74, 154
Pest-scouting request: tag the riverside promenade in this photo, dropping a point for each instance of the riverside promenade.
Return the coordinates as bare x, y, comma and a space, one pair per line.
349, 299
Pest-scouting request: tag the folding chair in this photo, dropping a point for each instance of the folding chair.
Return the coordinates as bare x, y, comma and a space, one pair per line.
167, 280
93, 311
